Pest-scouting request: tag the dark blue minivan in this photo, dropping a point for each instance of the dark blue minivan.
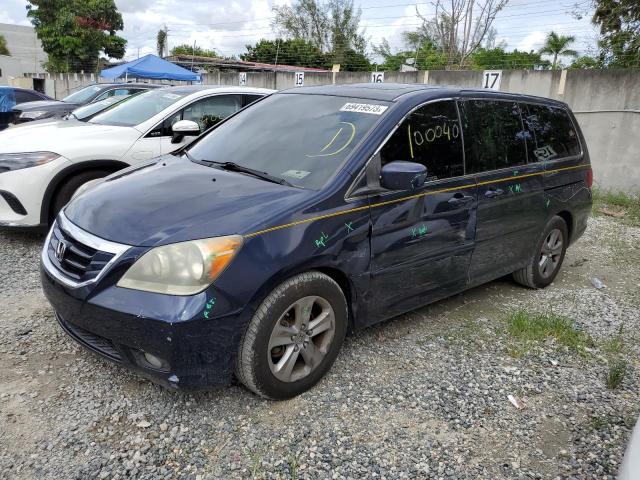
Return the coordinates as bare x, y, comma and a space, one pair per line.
314, 212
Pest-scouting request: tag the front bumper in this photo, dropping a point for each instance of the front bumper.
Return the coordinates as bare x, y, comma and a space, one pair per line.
23, 193
197, 352
197, 347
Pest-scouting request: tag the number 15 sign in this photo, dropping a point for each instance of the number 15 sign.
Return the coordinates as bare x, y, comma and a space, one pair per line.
491, 79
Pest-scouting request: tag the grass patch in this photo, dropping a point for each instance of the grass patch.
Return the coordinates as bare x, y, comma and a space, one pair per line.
615, 375
629, 203
614, 345
529, 327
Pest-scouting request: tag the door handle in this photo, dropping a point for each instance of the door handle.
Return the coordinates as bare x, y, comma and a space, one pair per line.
493, 192
460, 199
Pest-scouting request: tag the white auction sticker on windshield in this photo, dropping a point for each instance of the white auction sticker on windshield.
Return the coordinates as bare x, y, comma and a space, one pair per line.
364, 108
171, 96
299, 174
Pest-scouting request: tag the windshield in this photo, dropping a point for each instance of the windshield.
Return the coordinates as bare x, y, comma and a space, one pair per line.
303, 139
139, 108
83, 94
91, 109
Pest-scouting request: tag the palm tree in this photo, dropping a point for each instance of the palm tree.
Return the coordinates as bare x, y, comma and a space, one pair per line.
556, 45
162, 42
3, 46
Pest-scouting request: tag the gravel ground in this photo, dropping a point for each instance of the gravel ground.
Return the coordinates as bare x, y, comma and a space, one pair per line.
421, 396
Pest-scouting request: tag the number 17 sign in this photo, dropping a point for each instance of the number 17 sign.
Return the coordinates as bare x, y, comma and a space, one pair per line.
491, 79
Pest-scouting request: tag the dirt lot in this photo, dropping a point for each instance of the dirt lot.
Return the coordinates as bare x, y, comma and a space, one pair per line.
422, 396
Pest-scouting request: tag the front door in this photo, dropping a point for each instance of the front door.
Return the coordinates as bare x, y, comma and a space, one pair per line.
511, 207
421, 240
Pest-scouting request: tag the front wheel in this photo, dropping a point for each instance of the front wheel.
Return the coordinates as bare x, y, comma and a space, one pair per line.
294, 336
550, 251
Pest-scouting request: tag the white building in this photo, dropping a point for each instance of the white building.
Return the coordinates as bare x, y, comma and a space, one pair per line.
24, 45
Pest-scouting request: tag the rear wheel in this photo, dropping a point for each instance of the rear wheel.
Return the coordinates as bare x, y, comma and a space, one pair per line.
550, 251
294, 337
73, 185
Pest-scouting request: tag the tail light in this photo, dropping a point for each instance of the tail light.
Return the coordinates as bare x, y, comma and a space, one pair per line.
589, 178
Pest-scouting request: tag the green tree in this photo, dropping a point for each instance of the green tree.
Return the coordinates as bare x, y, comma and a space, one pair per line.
585, 62
423, 56
619, 22
286, 51
186, 49
332, 26
4, 50
557, 46
498, 58
161, 42
75, 32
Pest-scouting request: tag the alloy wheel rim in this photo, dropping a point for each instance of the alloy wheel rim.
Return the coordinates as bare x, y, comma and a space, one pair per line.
550, 253
301, 338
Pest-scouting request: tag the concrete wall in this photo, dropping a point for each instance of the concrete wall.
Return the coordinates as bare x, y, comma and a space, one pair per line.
605, 102
9, 68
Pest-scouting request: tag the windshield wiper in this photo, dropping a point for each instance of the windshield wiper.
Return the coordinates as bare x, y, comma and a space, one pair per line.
234, 167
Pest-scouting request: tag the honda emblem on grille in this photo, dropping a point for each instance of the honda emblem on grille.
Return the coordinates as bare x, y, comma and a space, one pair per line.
61, 249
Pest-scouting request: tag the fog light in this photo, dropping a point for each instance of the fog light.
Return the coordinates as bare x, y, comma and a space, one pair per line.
153, 360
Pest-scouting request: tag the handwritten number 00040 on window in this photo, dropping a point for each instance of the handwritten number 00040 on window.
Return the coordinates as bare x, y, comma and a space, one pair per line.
431, 134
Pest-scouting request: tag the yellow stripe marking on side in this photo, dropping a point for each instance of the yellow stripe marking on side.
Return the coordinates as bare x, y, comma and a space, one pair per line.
410, 197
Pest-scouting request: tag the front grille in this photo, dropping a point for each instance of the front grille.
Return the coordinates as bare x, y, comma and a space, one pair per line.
90, 340
78, 261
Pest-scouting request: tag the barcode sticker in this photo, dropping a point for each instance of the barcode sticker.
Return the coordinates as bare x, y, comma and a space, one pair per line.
364, 108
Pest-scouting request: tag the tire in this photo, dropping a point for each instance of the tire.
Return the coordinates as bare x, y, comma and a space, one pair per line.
267, 349
69, 187
539, 273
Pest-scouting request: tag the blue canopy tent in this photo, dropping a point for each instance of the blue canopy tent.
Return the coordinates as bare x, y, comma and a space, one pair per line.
151, 66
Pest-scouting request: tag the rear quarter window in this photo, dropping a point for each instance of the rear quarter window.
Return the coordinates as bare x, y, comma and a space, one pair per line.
494, 136
552, 135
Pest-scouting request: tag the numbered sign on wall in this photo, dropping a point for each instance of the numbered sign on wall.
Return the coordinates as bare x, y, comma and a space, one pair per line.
243, 79
299, 79
491, 79
377, 77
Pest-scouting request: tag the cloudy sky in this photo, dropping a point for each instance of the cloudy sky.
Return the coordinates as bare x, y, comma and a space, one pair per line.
227, 26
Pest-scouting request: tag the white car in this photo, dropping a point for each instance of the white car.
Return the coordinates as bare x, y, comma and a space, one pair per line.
43, 165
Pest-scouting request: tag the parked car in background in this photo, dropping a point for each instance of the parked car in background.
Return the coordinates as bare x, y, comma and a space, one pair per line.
83, 113
87, 112
43, 165
38, 110
9, 96
315, 211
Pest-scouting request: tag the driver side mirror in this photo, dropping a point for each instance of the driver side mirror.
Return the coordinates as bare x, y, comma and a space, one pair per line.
401, 175
184, 128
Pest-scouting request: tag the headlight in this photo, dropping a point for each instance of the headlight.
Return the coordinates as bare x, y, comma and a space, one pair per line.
16, 161
182, 268
33, 114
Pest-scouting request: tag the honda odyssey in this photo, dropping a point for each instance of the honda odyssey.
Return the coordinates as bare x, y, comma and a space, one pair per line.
314, 212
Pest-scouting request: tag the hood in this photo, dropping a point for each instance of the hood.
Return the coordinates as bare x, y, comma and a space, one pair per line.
47, 105
72, 139
176, 200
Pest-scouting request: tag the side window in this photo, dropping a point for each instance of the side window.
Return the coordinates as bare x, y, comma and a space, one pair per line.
209, 111
25, 96
494, 137
206, 113
430, 136
551, 131
120, 91
251, 98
